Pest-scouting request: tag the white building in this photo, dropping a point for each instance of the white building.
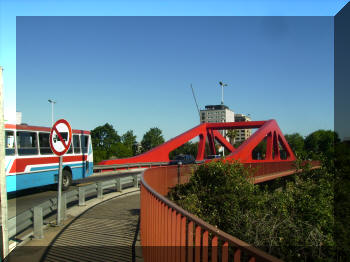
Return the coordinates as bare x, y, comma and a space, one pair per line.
217, 114
242, 134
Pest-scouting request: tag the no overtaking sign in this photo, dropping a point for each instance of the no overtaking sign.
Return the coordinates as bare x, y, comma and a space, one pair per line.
60, 137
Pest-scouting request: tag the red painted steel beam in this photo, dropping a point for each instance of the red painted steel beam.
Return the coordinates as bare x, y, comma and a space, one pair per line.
208, 131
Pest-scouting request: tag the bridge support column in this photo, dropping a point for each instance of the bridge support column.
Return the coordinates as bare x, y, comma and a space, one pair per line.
201, 146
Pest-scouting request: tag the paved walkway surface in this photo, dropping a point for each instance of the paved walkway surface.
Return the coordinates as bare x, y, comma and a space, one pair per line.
105, 232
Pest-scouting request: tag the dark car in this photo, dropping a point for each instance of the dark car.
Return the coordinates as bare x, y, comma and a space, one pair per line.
213, 156
183, 160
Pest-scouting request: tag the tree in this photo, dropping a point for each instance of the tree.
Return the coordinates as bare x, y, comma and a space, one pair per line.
321, 142
188, 148
103, 137
151, 139
129, 140
120, 150
232, 134
296, 142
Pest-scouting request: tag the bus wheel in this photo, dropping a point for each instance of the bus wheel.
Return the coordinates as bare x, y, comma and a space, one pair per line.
66, 179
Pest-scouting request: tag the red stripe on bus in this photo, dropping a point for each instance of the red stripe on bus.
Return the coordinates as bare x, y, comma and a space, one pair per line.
19, 164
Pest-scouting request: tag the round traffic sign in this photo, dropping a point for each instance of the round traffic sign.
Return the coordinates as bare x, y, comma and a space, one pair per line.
60, 137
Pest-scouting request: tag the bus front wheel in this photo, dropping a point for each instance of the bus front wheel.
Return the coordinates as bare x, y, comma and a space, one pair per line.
66, 179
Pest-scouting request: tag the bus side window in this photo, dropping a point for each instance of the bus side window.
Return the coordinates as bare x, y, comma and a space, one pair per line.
76, 144
84, 143
9, 143
27, 143
44, 143
70, 150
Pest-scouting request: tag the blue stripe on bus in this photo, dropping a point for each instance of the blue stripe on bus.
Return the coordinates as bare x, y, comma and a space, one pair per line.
28, 180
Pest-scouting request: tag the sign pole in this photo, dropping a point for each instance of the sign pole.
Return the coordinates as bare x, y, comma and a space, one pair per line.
60, 140
4, 210
59, 193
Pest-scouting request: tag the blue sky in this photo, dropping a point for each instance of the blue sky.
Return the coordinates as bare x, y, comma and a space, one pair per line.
135, 72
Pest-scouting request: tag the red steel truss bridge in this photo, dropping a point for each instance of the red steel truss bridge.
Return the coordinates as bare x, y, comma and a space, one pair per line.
277, 161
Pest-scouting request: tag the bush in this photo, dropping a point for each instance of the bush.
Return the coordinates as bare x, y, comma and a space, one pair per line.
293, 220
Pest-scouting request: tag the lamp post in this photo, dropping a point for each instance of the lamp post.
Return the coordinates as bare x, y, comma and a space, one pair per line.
222, 91
52, 102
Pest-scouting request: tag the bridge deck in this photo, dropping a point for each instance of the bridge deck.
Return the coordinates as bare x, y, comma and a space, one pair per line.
105, 232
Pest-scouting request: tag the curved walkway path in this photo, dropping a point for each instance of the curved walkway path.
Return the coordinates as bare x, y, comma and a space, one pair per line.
106, 232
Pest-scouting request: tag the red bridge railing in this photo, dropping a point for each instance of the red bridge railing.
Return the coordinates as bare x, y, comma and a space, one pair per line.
170, 233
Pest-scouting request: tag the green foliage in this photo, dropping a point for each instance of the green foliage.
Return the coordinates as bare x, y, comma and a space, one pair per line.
321, 143
296, 143
292, 219
188, 148
151, 139
342, 199
103, 137
119, 150
232, 134
129, 140
108, 144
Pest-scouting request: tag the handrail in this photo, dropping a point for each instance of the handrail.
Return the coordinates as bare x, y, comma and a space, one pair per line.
133, 165
168, 231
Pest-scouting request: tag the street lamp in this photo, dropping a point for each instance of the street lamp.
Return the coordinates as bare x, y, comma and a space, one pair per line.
222, 91
52, 102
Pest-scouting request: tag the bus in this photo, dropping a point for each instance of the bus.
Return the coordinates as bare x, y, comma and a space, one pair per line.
30, 162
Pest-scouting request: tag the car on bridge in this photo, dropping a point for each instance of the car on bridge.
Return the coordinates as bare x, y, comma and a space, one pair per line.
213, 156
183, 159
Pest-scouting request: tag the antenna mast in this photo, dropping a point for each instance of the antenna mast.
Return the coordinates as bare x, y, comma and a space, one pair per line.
195, 100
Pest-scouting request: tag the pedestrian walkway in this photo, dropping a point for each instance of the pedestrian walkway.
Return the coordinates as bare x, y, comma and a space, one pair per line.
105, 232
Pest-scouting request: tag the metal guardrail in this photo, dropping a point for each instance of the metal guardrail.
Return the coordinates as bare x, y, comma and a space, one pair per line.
100, 168
34, 217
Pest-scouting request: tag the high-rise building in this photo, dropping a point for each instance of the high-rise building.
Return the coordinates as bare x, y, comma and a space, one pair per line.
242, 134
217, 114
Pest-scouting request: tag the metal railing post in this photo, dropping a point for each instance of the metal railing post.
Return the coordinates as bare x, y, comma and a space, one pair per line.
178, 172
119, 185
81, 196
136, 184
38, 222
99, 190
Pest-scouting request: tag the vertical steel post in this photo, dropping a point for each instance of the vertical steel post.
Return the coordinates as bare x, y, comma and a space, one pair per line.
99, 190
3, 190
59, 194
81, 196
38, 222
